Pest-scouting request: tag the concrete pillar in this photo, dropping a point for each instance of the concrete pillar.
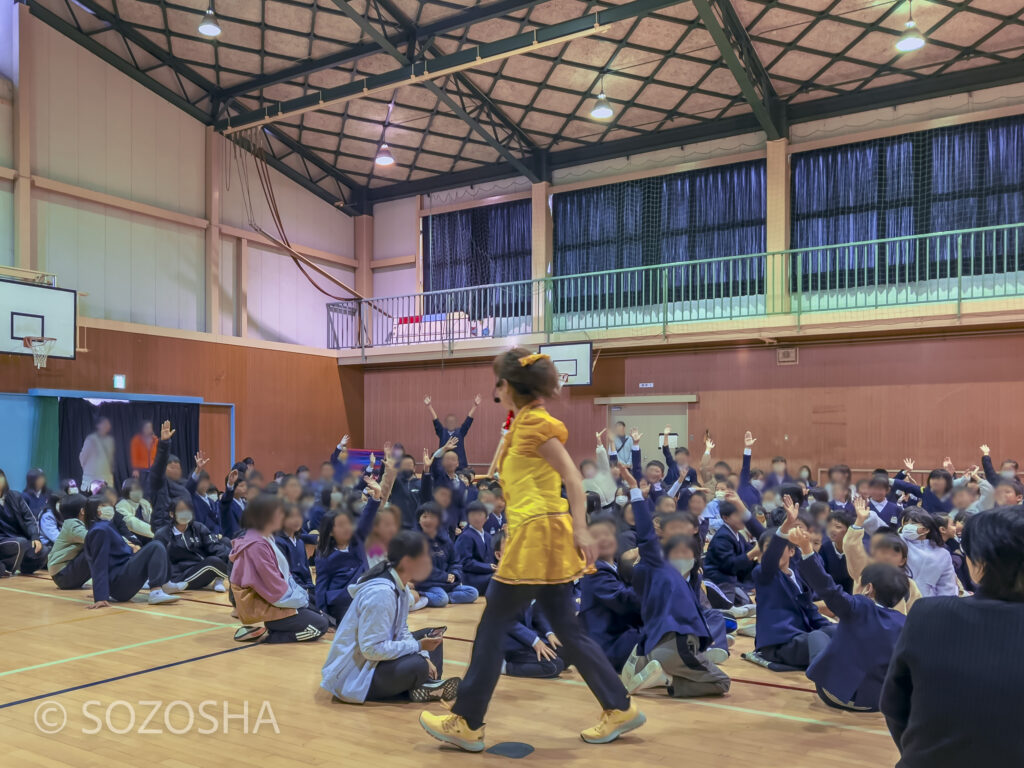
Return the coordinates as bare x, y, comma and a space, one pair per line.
777, 266
543, 249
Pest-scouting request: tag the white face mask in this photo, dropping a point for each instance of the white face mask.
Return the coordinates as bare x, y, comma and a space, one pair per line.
106, 513
336, 498
183, 516
910, 532
489, 507
758, 484
621, 500
1009, 474
805, 475
213, 497
135, 495
719, 495
682, 564
771, 505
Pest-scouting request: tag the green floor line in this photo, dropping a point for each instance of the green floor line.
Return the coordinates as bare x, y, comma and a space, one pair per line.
120, 607
732, 708
107, 650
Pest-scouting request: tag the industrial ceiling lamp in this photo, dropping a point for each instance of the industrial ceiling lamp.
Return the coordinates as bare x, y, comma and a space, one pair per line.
384, 156
602, 109
912, 39
208, 25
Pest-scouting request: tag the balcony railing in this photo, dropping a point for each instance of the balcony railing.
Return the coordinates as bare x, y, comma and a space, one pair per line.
953, 266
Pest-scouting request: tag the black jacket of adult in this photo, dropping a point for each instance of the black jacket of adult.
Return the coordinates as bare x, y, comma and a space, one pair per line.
16, 519
952, 695
164, 493
189, 548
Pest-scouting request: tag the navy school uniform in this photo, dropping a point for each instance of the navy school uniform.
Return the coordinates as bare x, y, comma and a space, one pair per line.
785, 608
475, 554
726, 563
207, 513
107, 554
657, 489
855, 663
844, 505
672, 472
520, 657
748, 494
442, 553
610, 612
444, 435
667, 601
294, 550
494, 523
313, 518
455, 514
772, 480
341, 568
230, 513
929, 500
835, 566
889, 513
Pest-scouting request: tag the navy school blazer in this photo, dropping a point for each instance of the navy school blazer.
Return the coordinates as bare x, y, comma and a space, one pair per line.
672, 471
610, 612
475, 555
854, 665
529, 625
667, 602
783, 609
726, 562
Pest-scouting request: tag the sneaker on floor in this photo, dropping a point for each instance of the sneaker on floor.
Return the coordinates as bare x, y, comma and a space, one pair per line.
436, 690
651, 676
145, 584
159, 597
614, 723
220, 586
172, 587
731, 639
421, 603
454, 730
717, 655
249, 634
748, 631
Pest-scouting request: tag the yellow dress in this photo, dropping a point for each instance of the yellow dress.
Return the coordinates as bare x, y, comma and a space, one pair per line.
540, 547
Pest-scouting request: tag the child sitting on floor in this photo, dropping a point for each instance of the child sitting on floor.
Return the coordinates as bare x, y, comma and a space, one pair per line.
474, 549
790, 629
293, 542
848, 671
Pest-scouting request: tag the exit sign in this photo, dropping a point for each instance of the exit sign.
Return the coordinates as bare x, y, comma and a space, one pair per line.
646, 385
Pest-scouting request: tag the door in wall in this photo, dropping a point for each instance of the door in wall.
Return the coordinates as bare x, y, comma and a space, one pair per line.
650, 419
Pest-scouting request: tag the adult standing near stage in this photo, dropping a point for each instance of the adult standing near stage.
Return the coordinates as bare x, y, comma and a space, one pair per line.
548, 547
451, 428
97, 455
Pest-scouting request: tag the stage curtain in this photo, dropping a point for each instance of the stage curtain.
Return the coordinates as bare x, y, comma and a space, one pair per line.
77, 419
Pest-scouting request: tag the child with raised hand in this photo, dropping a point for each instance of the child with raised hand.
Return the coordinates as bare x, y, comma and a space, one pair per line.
887, 548
936, 496
676, 638
678, 463
790, 629
848, 671
292, 542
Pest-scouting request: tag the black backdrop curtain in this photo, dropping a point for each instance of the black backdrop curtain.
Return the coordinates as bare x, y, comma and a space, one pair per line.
78, 420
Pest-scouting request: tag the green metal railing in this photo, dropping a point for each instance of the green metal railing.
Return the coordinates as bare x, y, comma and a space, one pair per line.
955, 266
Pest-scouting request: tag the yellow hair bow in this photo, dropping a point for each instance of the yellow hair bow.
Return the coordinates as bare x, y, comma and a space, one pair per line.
531, 359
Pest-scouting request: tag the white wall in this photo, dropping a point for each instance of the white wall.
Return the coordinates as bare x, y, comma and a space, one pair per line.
283, 305
396, 230
96, 128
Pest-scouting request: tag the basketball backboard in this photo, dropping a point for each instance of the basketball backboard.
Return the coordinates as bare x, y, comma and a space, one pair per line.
28, 309
573, 360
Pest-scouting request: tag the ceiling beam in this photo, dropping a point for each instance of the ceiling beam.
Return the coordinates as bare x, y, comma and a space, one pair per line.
726, 29
378, 36
351, 55
673, 137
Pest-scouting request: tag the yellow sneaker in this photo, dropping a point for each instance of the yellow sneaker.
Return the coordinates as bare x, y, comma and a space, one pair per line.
454, 730
614, 723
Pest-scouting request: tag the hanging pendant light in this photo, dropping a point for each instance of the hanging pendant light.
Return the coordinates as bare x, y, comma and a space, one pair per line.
602, 108
384, 156
912, 39
208, 25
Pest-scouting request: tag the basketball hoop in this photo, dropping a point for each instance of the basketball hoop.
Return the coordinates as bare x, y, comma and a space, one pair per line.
40, 346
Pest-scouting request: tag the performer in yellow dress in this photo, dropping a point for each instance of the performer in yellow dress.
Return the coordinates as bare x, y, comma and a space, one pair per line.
548, 547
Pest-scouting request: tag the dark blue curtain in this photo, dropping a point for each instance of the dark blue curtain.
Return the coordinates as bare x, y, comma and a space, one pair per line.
961, 177
490, 245
697, 215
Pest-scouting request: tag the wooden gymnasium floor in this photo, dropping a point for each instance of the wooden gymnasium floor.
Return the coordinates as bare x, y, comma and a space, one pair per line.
54, 651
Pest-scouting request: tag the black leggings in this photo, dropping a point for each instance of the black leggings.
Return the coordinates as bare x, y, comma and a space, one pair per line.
148, 564
395, 677
16, 554
504, 602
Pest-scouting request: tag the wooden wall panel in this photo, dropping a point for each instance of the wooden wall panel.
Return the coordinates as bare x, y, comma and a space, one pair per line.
215, 435
290, 408
867, 404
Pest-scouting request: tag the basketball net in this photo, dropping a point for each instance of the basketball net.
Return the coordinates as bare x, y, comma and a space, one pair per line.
40, 349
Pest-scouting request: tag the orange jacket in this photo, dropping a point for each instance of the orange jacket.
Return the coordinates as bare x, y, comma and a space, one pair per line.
143, 457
